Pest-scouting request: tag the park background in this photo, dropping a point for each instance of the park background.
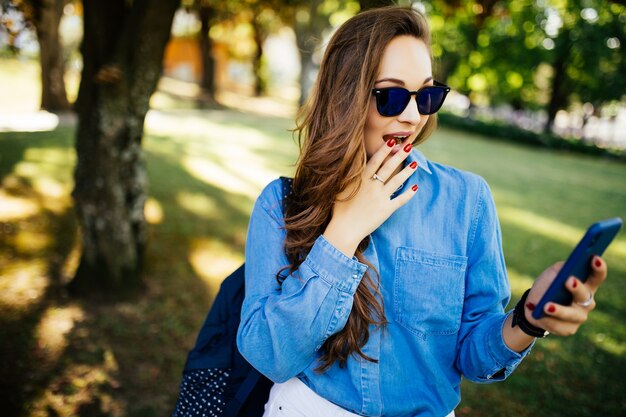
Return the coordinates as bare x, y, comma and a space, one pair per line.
189, 128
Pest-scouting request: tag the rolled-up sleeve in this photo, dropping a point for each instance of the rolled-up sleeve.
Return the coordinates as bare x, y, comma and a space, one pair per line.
482, 354
283, 327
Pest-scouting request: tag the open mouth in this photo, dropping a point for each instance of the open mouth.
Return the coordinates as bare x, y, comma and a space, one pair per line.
399, 139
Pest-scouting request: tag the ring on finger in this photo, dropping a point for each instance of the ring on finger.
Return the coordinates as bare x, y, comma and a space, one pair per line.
377, 178
587, 302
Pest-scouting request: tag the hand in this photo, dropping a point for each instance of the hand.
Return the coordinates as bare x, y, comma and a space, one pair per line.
565, 320
356, 216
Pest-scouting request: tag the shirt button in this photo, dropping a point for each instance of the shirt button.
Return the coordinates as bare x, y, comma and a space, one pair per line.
355, 276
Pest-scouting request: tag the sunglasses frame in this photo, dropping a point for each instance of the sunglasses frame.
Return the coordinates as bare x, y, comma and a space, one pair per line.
437, 85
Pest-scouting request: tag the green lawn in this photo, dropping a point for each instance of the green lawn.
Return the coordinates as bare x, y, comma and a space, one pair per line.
65, 357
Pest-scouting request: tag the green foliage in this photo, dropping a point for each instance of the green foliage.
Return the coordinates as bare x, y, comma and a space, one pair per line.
506, 53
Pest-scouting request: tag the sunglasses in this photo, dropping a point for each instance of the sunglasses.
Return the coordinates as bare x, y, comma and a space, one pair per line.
392, 101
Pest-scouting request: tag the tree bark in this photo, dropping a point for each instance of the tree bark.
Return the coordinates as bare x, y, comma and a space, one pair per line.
122, 49
47, 17
207, 14
259, 36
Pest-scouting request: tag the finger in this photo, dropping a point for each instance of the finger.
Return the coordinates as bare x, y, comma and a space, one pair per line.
374, 163
397, 180
403, 198
598, 273
581, 293
387, 169
570, 314
558, 327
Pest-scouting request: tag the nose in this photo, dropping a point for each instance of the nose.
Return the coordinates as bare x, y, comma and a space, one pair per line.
411, 114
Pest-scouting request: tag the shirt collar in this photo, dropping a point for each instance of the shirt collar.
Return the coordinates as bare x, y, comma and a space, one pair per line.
422, 162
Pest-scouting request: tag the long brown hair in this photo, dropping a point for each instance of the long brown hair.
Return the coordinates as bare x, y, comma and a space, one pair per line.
332, 156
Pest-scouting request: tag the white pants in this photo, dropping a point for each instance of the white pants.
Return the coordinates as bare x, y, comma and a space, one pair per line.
294, 399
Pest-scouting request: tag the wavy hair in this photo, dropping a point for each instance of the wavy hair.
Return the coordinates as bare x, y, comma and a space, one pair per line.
330, 129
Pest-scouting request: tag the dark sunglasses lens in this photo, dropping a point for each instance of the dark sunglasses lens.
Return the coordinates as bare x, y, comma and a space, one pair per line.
392, 101
430, 99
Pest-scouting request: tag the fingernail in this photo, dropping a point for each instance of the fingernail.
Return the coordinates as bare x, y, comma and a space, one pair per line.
551, 308
408, 147
414, 188
530, 306
391, 142
598, 263
413, 165
574, 283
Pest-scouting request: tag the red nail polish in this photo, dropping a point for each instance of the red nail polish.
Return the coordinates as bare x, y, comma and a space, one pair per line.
551, 309
413, 165
574, 283
391, 142
408, 147
530, 306
414, 188
598, 263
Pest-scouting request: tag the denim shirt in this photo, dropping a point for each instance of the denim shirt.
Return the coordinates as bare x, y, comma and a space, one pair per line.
444, 286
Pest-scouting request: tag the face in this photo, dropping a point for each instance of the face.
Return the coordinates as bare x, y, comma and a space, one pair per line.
405, 63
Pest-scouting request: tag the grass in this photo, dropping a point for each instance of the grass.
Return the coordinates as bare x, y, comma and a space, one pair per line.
67, 357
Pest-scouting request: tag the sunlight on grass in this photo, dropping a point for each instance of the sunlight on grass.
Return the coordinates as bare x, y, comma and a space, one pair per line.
32, 241
81, 384
22, 284
262, 105
198, 204
226, 156
53, 327
519, 282
218, 177
16, 208
40, 121
212, 261
153, 211
550, 228
607, 343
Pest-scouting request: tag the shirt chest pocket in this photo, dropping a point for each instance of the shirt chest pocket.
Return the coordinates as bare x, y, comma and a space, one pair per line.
428, 291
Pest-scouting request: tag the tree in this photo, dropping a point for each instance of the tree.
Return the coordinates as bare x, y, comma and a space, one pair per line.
588, 62
207, 13
45, 16
122, 51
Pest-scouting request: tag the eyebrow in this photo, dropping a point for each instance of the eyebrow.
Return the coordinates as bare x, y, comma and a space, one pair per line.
397, 81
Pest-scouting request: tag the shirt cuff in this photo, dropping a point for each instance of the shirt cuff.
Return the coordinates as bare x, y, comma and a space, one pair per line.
503, 356
331, 265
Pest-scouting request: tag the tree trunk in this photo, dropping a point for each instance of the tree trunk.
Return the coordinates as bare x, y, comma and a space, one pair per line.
308, 35
206, 14
47, 19
558, 95
122, 49
260, 86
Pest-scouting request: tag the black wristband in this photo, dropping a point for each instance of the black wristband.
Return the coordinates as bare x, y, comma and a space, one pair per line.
519, 319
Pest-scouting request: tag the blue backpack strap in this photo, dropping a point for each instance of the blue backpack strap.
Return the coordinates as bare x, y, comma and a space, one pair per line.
253, 377
287, 184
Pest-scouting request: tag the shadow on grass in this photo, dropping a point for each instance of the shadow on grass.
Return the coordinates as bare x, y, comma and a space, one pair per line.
121, 358
46, 237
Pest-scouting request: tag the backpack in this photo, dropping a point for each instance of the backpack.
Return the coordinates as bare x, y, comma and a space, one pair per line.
217, 381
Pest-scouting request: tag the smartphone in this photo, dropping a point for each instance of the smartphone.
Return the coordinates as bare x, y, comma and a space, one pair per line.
596, 240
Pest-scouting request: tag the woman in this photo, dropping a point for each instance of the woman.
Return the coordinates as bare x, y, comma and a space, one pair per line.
367, 296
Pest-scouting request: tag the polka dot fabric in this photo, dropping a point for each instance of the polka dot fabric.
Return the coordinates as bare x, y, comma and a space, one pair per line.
202, 393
